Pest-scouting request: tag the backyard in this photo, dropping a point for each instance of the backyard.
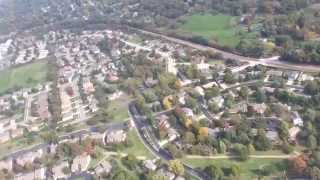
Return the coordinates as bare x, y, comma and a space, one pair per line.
25, 76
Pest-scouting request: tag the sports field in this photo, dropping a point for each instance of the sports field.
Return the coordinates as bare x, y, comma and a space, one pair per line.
24, 76
223, 29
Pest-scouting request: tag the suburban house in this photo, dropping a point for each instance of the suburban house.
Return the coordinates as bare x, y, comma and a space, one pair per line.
87, 86
293, 133
258, 108
296, 119
188, 112
116, 136
150, 165
162, 121
9, 130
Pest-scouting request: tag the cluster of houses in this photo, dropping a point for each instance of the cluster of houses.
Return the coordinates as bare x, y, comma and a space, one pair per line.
79, 57
11, 116
27, 164
72, 107
242, 73
21, 50
23, 109
4, 48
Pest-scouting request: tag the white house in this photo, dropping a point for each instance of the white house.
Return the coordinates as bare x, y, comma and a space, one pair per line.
115, 137
150, 165
296, 119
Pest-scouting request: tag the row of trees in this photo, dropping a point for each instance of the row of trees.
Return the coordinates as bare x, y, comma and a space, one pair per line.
309, 53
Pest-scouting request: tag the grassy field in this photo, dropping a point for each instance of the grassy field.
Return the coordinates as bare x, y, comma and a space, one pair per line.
119, 108
24, 76
249, 168
138, 147
223, 29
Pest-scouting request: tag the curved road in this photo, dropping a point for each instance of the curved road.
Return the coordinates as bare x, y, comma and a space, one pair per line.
149, 141
270, 62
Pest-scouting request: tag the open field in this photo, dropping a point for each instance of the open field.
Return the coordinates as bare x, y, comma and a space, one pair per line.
223, 29
25, 76
119, 108
249, 168
137, 147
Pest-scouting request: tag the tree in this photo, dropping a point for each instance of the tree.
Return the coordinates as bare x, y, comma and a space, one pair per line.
176, 167
228, 77
167, 102
174, 151
229, 100
235, 170
261, 142
241, 151
253, 48
214, 172
49, 136
287, 148
189, 138
244, 91
212, 92
150, 96
298, 165
312, 87
203, 131
130, 161
312, 142
301, 21
191, 103
122, 175
260, 96
213, 107
284, 41
310, 115
314, 173
283, 130
222, 147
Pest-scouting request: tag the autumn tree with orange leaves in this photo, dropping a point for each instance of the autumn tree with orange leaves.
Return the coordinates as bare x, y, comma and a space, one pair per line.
298, 165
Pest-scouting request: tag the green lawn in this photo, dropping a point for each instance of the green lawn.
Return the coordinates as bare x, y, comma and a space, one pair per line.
216, 62
135, 39
99, 156
119, 108
24, 76
137, 147
248, 169
222, 28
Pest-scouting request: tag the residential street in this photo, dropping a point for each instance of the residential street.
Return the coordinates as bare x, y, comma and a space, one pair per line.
61, 138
